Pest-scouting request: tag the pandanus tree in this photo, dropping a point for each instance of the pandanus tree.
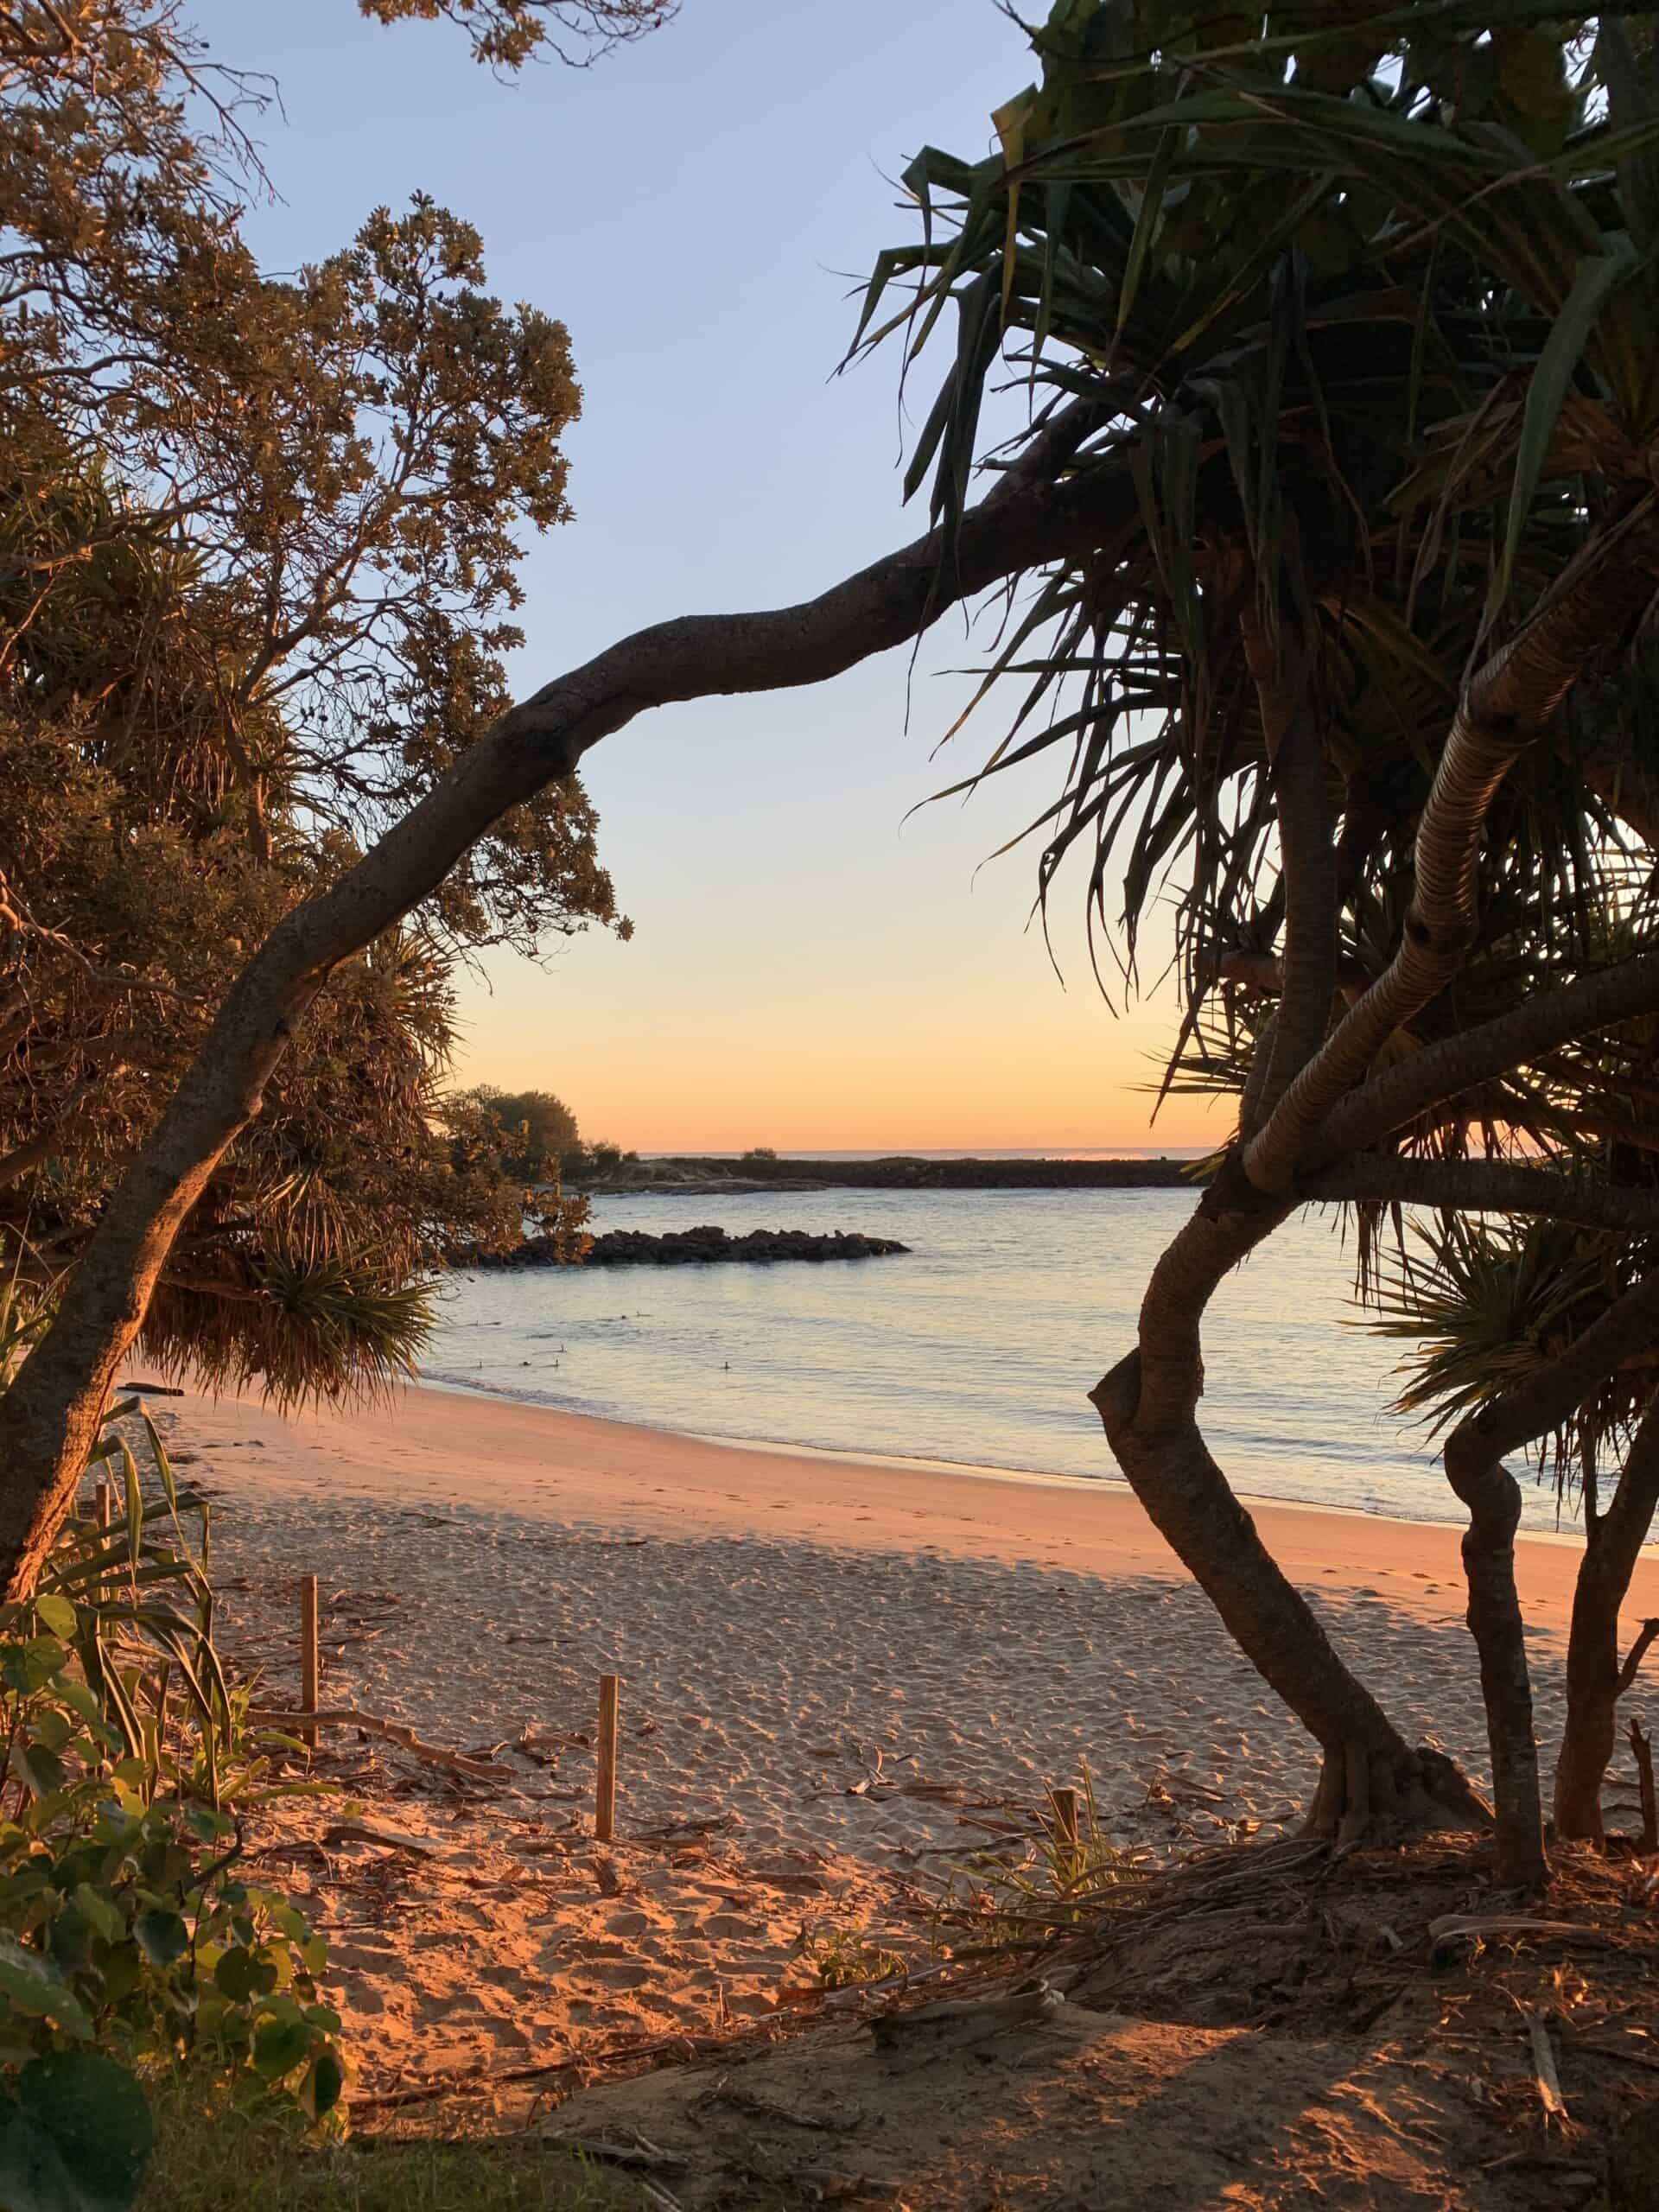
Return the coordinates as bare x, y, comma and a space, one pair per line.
1327, 552
1368, 313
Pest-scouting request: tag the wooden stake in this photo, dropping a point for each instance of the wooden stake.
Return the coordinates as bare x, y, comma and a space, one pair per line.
307, 1733
605, 1776
1064, 1802
101, 1503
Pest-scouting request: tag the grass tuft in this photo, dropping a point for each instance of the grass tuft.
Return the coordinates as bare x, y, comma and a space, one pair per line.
212, 2158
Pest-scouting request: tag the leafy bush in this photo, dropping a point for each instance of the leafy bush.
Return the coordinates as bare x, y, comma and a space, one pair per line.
130, 1944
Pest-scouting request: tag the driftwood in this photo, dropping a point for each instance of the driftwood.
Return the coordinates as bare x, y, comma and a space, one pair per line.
1480, 1925
640, 2152
387, 1840
1545, 2072
957, 2023
393, 1730
1642, 1752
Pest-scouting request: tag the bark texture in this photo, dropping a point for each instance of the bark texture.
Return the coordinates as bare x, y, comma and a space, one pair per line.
1595, 1679
1148, 1405
1474, 1455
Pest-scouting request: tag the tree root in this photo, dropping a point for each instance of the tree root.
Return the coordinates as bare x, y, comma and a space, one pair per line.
1371, 1795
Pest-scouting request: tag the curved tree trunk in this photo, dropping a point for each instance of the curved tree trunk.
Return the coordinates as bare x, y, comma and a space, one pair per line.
1373, 1781
1595, 1679
1493, 1497
1474, 1455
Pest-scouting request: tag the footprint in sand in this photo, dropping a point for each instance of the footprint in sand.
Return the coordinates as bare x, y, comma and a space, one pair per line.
730, 1923
612, 1973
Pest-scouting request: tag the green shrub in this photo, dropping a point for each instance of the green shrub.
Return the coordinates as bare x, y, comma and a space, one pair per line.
130, 1944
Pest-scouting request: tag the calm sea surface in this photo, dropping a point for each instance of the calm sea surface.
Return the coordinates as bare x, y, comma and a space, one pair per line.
978, 1349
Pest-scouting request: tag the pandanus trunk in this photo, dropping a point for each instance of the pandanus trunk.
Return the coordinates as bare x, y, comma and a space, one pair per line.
1595, 1680
1374, 1782
1493, 1497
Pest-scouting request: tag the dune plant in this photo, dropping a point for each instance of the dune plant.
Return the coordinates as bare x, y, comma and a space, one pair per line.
133, 1946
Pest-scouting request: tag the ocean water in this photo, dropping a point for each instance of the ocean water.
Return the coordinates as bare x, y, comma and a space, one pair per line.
978, 1349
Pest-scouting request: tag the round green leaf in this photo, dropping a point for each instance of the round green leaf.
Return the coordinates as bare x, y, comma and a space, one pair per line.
162, 1936
324, 2082
280, 2045
101, 1912
79, 2138
34, 1986
242, 1974
56, 1615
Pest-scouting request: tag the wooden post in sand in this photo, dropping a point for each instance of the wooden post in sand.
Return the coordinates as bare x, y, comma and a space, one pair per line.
1064, 1802
605, 1763
101, 1502
309, 1656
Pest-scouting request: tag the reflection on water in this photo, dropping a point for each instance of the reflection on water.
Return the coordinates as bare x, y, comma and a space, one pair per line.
978, 1348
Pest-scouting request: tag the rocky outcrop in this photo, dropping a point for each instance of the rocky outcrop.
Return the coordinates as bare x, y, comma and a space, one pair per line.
634, 1248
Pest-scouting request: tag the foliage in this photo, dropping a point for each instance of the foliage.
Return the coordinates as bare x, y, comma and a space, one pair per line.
1015, 1890
506, 33
130, 1943
842, 1956
520, 1146
537, 1131
1345, 316
1364, 298
1305, 280
257, 544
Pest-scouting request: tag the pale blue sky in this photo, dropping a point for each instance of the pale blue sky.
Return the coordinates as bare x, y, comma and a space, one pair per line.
808, 968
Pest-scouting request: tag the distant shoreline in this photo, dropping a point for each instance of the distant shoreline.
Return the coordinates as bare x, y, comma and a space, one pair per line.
704, 1175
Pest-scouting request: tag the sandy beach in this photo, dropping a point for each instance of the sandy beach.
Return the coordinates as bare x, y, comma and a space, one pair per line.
837, 1675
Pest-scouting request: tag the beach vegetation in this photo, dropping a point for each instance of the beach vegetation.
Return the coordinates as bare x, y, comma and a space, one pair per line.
1020, 1892
1348, 689
209, 2154
537, 1132
135, 1948
257, 539
843, 1956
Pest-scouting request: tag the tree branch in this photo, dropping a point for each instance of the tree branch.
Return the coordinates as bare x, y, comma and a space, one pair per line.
1445, 1070
1482, 1186
53, 1405
1507, 705
1296, 757
1638, 1652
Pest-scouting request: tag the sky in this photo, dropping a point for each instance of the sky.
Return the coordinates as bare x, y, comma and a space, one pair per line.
813, 963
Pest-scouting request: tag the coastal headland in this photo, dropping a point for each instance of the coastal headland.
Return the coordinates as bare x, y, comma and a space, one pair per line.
694, 1175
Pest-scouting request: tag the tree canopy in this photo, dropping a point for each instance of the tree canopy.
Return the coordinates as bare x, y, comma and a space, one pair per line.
258, 547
